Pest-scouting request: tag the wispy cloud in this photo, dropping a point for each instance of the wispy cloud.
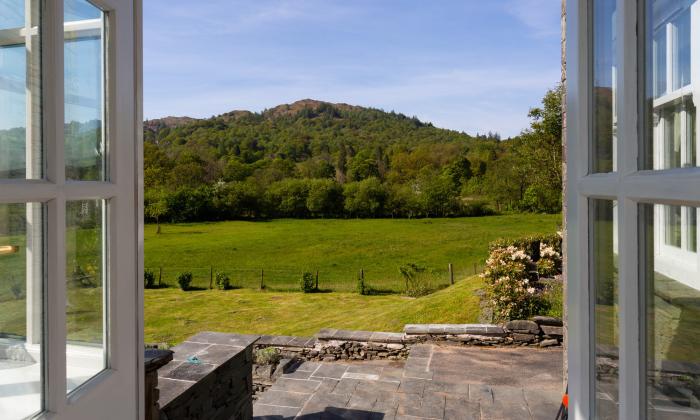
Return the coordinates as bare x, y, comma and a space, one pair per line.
542, 17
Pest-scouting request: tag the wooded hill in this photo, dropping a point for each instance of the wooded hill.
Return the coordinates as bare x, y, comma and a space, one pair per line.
316, 159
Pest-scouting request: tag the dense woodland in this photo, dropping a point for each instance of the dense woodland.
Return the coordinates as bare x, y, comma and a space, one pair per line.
315, 159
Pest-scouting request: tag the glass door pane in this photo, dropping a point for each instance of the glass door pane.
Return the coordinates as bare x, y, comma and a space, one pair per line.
21, 309
604, 284
85, 142
85, 291
672, 279
669, 111
20, 90
604, 117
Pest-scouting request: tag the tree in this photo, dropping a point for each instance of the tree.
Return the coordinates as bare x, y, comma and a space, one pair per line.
325, 198
156, 206
365, 198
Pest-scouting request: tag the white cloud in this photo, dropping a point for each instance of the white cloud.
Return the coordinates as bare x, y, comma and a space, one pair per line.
543, 17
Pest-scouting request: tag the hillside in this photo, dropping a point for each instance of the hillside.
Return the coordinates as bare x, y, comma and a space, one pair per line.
318, 159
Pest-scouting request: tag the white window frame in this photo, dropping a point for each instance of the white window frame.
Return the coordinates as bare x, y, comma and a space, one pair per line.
118, 391
630, 187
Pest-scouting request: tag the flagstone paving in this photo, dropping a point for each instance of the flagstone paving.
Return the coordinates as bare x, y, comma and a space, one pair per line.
436, 382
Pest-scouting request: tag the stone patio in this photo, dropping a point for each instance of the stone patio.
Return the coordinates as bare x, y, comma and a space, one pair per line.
436, 382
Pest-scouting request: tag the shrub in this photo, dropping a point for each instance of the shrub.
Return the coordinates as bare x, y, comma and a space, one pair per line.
531, 244
184, 280
418, 279
149, 279
361, 288
511, 291
17, 291
307, 282
549, 264
267, 356
223, 282
553, 298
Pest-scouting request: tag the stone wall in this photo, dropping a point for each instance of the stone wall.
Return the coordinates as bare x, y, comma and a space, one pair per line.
210, 377
541, 331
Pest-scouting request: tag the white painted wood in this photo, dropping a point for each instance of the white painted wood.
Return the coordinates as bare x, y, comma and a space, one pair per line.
116, 393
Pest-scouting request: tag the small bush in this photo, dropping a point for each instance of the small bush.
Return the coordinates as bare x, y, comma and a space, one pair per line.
307, 283
267, 356
361, 288
553, 298
184, 280
149, 279
419, 280
17, 291
223, 282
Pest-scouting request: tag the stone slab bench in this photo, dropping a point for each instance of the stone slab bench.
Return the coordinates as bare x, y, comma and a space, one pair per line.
209, 377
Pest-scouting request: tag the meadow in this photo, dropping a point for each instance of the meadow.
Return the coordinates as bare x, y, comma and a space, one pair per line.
337, 248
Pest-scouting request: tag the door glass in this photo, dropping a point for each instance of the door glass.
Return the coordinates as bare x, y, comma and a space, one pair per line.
604, 284
670, 134
85, 290
21, 309
85, 142
672, 279
20, 90
604, 90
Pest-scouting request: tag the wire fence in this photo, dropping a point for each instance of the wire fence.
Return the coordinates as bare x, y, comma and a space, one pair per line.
327, 279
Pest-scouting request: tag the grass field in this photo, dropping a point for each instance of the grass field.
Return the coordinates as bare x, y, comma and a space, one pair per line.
338, 249
172, 315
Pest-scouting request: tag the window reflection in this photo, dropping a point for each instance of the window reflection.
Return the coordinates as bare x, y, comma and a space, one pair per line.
20, 90
604, 87
671, 135
21, 314
604, 283
672, 311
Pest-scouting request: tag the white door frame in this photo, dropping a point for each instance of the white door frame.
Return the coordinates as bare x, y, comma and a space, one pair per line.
630, 187
118, 391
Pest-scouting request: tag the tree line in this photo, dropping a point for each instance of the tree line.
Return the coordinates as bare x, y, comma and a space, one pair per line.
314, 159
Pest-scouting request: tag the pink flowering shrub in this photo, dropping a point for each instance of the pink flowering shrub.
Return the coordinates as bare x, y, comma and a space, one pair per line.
549, 264
511, 292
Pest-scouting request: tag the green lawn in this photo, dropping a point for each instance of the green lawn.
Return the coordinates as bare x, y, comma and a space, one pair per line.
172, 315
338, 249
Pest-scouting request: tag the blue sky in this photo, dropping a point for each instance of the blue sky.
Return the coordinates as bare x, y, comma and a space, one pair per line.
469, 65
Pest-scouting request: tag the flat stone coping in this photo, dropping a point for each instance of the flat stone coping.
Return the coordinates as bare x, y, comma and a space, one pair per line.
442, 329
286, 341
328, 334
154, 359
210, 348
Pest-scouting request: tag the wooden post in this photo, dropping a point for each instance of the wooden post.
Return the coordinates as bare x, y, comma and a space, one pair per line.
160, 275
452, 274
316, 279
211, 277
474, 268
262, 278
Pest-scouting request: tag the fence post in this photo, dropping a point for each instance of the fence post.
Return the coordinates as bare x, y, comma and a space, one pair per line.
452, 274
211, 277
160, 275
474, 268
316, 279
262, 278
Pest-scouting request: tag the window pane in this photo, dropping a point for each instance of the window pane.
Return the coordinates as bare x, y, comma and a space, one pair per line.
670, 135
604, 80
20, 91
672, 279
672, 225
21, 314
84, 87
85, 290
604, 283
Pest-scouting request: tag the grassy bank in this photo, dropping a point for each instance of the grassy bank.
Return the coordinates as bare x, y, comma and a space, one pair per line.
173, 315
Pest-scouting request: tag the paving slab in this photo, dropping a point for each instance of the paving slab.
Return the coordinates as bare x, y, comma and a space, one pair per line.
435, 382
